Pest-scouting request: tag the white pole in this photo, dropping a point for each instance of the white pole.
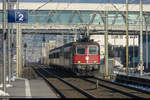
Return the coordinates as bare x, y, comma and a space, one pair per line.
146, 42
9, 47
127, 43
18, 47
106, 43
12, 32
141, 38
4, 45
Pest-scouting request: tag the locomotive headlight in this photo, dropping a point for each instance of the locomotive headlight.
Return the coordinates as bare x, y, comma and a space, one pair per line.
87, 58
79, 62
94, 61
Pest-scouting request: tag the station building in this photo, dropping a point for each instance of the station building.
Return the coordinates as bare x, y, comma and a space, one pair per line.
56, 20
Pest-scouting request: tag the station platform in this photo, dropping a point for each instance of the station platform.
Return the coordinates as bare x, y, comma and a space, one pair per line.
134, 79
34, 88
137, 75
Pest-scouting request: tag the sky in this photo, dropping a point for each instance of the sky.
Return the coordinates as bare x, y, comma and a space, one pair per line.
90, 1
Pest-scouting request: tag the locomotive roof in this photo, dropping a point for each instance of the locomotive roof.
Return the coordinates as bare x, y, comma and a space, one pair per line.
88, 43
75, 43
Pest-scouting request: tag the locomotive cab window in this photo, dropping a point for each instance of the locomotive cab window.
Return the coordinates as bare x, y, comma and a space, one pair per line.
93, 50
80, 50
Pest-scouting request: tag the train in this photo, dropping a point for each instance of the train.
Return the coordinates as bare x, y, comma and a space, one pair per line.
81, 57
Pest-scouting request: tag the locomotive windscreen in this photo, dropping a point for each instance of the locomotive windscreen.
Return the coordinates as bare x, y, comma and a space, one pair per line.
80, 50
93, 50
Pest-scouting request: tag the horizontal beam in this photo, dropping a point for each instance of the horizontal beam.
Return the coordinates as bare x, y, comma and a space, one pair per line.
71, 32
71, 29
47, 28
74, 27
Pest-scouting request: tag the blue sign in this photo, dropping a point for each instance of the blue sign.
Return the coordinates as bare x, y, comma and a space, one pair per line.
17, 16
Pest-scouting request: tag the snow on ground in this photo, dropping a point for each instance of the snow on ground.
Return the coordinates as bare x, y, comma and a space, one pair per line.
7, 85
16, 78
2, 93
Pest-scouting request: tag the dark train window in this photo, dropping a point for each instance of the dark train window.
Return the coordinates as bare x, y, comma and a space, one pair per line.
67, 55
54, 55
57, 55
51, 56
93, 50
80, 50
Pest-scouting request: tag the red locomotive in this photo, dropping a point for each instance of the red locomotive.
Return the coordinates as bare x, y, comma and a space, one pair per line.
81, 57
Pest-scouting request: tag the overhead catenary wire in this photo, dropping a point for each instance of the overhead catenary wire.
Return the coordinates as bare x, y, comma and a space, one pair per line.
38, 8
41, 6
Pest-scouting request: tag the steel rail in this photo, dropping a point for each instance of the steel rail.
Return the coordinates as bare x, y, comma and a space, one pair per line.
80, 90
57, 90
116, 83
122, 92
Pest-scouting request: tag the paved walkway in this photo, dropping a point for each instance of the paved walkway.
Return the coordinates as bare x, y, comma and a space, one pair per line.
24, 88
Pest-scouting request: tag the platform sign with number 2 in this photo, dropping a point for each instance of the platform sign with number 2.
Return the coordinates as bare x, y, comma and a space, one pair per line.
17, 16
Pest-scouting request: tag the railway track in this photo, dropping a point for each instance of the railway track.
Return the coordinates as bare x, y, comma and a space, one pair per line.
103, 89
126, 90
122, 85
63, 88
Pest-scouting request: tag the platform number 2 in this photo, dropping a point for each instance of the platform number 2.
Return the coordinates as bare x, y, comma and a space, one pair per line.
20, 17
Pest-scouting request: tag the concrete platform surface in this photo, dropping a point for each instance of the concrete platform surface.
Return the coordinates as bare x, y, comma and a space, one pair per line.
24, 88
